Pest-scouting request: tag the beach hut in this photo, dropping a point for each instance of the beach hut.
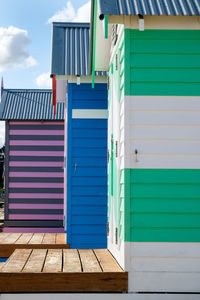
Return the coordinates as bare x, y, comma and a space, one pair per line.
86, 136
34, 161
151, 50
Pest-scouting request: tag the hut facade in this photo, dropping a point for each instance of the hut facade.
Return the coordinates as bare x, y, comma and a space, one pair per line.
86, 137
151, 50
34, 161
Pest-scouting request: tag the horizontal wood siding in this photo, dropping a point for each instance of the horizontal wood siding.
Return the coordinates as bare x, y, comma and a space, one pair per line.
87, 169
162, 62
164, 205
35, 174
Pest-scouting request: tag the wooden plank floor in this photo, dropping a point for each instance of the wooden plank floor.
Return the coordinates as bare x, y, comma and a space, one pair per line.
11, 241
62, 270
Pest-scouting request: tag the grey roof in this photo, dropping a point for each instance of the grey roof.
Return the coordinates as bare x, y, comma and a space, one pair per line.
70, 49
150, 7
29, 105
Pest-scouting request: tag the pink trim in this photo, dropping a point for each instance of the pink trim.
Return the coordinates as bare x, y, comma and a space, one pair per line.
34, 217
36, 174
35, 123
36, 153
36, 132
33, 230
35, 196
34, 206
35, 185
36, 164
35, 143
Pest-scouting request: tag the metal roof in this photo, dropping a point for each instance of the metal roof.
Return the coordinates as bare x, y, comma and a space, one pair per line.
17, 104
150, 7
70, 49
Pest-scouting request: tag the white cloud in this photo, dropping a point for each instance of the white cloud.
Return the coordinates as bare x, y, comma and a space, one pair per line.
44, 81
2, 133
64, 15
13, 49
68, 14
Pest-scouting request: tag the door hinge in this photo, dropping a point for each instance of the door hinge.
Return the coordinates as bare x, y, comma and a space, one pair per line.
116, 148
108, 229
116, 235
116, 62
108, 156
108, 83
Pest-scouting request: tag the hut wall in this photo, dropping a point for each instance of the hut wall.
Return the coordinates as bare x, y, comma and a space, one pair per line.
159, 177
87, 166
34, 174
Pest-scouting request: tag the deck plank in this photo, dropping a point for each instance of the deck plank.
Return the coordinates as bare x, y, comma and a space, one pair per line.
49, 238
12, 238
53, 263
37, 238
61, 238
72, 262
89, 261
17, 261
107, 261
24, 238
36, 261
3, 236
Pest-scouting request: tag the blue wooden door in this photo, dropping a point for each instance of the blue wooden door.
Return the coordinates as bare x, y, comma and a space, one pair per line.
87, 166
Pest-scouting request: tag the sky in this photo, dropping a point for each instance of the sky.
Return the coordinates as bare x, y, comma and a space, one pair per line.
25, 40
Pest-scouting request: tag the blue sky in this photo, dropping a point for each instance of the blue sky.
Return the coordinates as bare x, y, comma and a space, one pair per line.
27, 53
25, 40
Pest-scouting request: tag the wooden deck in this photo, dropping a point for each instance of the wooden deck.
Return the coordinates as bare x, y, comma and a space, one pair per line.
62, 270
11, 241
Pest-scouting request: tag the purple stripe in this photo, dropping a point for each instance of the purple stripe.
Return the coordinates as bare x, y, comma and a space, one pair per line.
35, 123
35, 196
36, 174
34, 217
33, 230
34, 206
35, 143
36, 132
36, 164
35, 185
36, 153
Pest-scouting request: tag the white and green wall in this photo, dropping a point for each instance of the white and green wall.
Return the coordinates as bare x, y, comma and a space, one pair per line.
154, 158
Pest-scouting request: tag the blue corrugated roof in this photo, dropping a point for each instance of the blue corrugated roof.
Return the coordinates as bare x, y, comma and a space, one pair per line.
17, 104
70, 49
150, 7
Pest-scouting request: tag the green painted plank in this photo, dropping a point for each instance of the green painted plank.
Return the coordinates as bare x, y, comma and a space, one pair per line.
155, 34
167, 190
166, 235
163, 89
165, 176
162, 75
157, 60
163, 205
165, 220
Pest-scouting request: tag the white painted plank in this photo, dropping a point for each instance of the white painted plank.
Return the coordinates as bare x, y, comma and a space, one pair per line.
190, 250
165, 264
164, 282
162, 161
89, 114
164, 147
155, 132
164, 103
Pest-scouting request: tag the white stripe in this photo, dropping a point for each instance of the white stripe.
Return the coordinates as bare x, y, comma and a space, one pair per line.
89, 114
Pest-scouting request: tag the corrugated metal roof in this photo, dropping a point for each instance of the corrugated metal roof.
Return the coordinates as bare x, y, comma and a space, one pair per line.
70, 49
150, 7
29, 105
